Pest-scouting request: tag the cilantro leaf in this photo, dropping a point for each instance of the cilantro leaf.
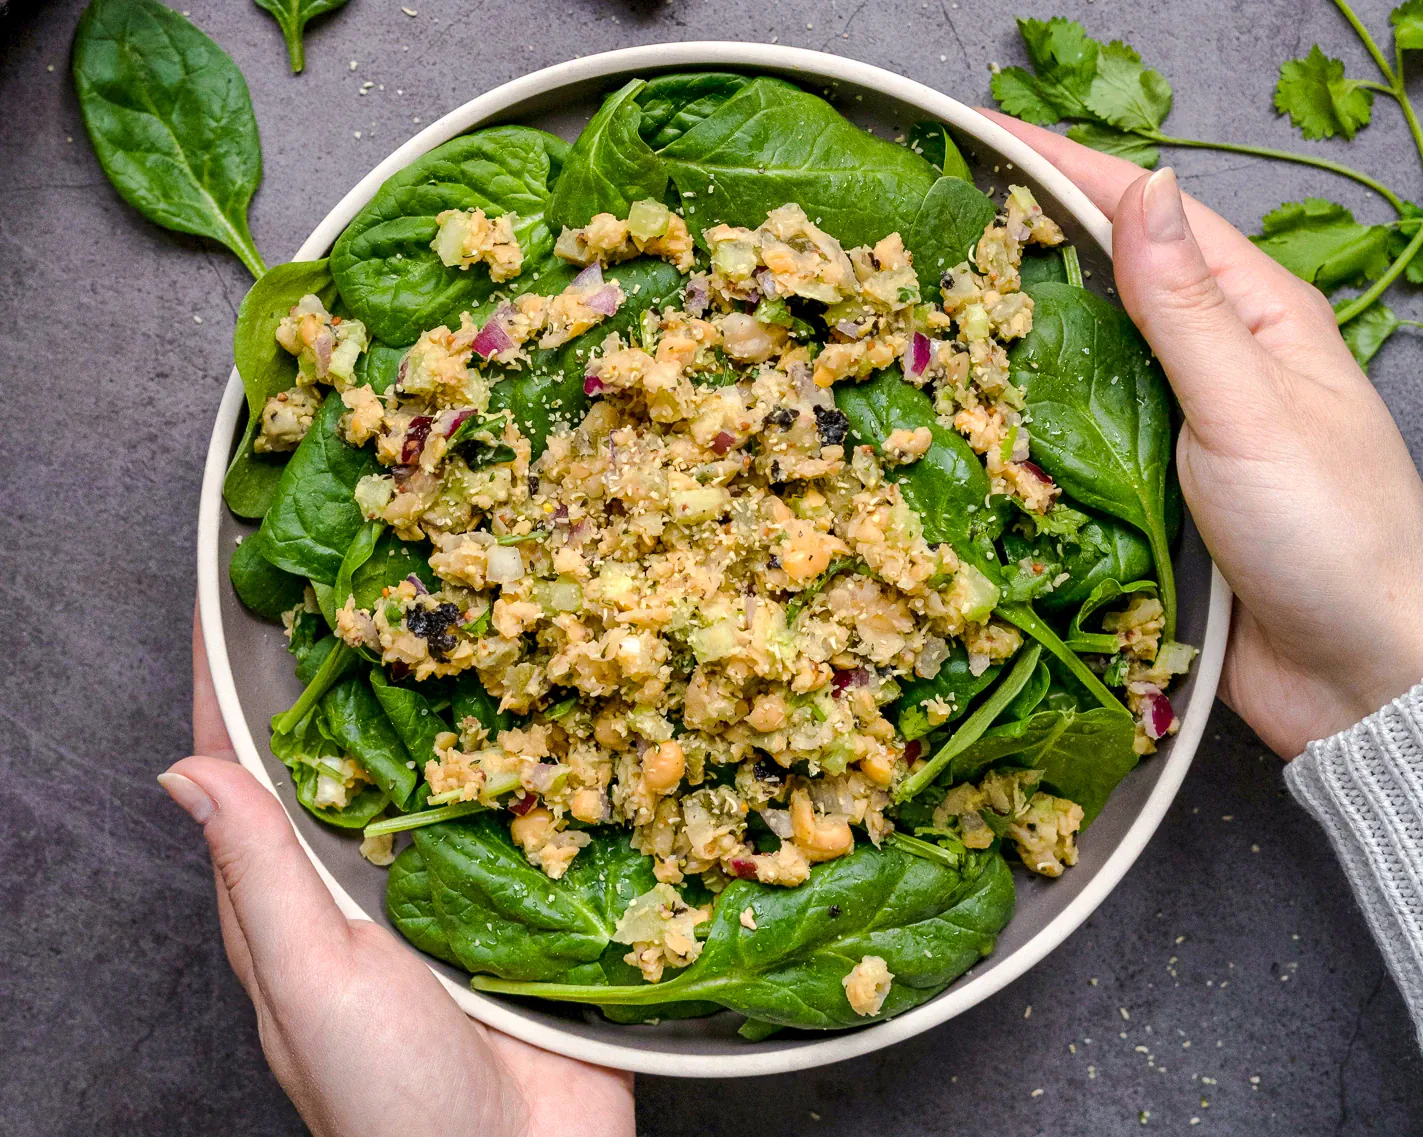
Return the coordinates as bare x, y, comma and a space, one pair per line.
1125, 94
1020, 94
1319, 99
1368, 331
1407, 228
1064, 60
1407, 21
1110, 140
1319, 241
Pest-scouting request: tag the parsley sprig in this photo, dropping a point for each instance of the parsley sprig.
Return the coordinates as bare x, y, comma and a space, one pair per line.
1116, 104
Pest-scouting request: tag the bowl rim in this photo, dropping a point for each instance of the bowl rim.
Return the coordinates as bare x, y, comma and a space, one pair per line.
816, 66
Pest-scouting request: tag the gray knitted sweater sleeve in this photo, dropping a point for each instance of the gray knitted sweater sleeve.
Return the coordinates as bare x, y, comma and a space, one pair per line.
1365, 786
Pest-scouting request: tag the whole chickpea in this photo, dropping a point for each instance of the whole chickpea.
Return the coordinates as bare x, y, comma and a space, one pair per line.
768, 712
533, 830
662, 769
587, 805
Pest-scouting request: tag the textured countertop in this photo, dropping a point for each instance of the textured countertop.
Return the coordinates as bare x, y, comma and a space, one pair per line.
1231, 967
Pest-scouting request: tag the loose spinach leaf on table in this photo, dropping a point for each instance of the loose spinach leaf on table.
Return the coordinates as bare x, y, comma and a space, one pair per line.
388, 275
549, 396
928, 922
358, 724
932, 140
171, 120
502, 915
267, 369
673, 104
302, 749
954, 683
314, 516
1100, 413
771, 143
259, 584
610, 165
292, 17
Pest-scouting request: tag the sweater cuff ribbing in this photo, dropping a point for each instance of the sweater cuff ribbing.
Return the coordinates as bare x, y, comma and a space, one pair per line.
1365, 787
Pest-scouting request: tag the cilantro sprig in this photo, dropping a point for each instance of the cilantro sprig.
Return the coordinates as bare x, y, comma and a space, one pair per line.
1114, 103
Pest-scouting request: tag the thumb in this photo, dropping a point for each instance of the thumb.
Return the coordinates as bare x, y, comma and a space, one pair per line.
286, 915
1214, 363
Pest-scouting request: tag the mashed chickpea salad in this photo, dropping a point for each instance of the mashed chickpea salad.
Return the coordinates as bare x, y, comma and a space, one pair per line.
717, 553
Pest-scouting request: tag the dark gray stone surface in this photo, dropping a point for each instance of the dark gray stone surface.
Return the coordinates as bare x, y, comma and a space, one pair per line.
1235, 932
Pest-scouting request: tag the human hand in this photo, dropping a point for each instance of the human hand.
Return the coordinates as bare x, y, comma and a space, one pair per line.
1294, 471
358, 1031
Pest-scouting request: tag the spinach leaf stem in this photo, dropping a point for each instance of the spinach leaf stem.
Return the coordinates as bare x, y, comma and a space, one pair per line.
332, 668
424, 817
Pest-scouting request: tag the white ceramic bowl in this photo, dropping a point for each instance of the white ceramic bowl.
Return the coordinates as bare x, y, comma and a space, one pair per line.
252, 672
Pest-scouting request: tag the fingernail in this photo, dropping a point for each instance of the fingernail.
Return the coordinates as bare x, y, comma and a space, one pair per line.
189, 795
1161, 203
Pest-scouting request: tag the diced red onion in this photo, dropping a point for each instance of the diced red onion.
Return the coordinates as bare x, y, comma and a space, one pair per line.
415, 436
402, 474
912, 751
778, 821
325, 341
1037, 472
590, 277
1157, 716
765, 282
848, 328
919, 354
541, 777
560, 515
743, 867
492, 339
854, 677
592, 385
696, 297
723, 442
458, 421
521, 805
752, 603
606, 300
419, 584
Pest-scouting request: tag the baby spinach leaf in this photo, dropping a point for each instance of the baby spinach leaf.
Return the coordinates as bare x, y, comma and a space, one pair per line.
771, 143
292, 17
470, 700
974, 726
379, 367
500, 914
357, 554
411, 908
610, 166
302, 750
390, 562
267, 369
947, 225
673, 104
388, 275
259, 584
358, 724
310, 662
314, 516
1078, 638
955, 684
1040, 265
550, 396
1025, 619
932, 140
170, 119
1026, 701
411, 714
1100, 412
947, 487
1102, 549
928, 922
